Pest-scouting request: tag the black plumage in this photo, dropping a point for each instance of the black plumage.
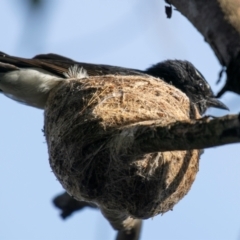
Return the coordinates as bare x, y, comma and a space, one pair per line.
184, 76
181, 74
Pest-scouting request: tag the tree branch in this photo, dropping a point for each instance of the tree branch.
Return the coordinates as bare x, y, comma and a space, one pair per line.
69, 205
140, 139
133, 234
219, 23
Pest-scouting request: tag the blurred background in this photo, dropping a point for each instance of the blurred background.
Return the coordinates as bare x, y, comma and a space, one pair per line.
134, 34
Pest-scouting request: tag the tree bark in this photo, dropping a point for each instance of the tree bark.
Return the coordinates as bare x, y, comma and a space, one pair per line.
219, 23
69, 205
192, 134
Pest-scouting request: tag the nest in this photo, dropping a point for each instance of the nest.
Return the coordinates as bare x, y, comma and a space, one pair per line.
83, 122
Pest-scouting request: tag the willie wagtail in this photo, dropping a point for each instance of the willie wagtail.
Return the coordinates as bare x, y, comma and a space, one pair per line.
29, 81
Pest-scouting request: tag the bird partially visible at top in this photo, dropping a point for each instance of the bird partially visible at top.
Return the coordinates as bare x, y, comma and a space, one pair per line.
29, 81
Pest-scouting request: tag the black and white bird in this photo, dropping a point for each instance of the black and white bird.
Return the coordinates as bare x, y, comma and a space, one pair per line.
29, 81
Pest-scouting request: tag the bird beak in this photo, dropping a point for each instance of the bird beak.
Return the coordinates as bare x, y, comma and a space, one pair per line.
214, 102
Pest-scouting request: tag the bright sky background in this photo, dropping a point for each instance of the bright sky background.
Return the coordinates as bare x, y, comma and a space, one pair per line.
128, 33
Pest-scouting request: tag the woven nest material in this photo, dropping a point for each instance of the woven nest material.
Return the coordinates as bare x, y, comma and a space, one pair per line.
83, 122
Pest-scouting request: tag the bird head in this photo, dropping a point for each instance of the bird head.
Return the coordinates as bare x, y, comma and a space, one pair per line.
184, 76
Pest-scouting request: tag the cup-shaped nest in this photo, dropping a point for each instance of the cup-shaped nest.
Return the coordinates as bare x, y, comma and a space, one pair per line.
84, 123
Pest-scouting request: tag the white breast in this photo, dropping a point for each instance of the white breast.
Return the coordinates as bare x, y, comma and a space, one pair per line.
29, 86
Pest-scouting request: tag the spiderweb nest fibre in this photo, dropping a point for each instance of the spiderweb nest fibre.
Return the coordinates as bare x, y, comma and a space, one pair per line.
84, 119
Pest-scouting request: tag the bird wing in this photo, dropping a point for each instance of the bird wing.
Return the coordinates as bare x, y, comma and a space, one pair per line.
59, 65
